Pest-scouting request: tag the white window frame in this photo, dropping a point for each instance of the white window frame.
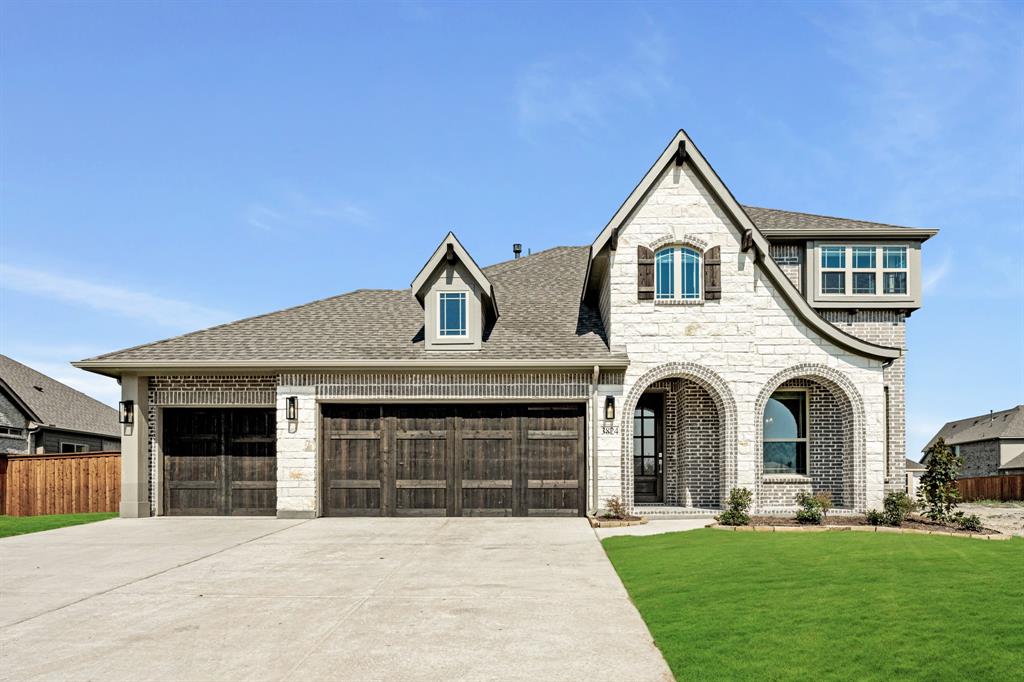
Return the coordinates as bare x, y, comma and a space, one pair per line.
441, 296
12, 431
887, 270
677, 296
819, 295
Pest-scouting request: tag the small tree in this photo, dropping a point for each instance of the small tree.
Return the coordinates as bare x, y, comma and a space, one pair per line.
739, 503
937, 491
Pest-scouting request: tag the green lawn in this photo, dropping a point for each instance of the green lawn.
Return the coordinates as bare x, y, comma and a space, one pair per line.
813, 606
19, 525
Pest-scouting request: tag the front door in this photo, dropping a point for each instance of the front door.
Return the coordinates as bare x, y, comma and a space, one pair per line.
647, 449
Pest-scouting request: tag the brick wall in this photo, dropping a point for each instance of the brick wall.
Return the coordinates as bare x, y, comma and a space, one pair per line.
980, 459
790, 258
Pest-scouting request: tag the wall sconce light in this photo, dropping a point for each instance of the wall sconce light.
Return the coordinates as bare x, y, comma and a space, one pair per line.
292, 408
609, 407
126, 412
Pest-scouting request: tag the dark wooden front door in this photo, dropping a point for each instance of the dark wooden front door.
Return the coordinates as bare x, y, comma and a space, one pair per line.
648, 476
453, 460
220, 462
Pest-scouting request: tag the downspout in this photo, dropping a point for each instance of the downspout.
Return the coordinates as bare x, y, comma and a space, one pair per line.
593, 427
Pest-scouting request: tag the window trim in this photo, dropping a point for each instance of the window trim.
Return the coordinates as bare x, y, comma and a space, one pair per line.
441, 297
11, 431
910, 298
806, 440
678, 295
78, 448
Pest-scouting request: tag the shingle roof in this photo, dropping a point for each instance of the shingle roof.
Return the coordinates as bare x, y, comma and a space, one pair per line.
773, 220
1015, 463
1005, 424
541, 319
56, 404
914, 466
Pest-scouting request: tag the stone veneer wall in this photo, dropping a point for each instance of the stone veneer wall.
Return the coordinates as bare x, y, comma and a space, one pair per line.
198, 391
980, 458
11, 416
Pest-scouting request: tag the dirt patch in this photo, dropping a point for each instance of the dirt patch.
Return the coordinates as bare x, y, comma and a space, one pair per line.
1006, 517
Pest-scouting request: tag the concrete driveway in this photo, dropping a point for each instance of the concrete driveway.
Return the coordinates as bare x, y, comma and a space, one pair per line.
352, 599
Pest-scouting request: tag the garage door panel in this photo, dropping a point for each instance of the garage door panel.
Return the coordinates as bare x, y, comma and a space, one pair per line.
470, 460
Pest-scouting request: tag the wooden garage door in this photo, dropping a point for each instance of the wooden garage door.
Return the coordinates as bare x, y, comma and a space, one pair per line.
220, 462
453, 460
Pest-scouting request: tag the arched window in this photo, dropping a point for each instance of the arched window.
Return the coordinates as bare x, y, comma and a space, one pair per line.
677, 274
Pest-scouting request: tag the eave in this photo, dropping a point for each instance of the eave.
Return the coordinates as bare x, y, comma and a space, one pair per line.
908, 233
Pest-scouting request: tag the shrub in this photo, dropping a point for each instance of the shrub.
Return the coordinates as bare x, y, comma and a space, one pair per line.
898, 506
739, 505
875, 517
812, 507
615, 508
971, 522
937, 490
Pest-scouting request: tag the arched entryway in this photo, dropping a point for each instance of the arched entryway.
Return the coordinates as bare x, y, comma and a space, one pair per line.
678, 439
810, 440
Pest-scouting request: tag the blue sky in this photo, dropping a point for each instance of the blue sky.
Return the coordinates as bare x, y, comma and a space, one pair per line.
164, 167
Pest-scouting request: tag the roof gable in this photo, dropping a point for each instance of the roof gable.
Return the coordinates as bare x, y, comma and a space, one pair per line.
1003, 424
681, 150
51, 403
451, 249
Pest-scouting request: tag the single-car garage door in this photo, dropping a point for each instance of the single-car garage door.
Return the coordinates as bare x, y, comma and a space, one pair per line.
453, 460
220, 462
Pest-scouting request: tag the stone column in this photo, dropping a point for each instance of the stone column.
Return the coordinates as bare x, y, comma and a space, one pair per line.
135, 450
297, 454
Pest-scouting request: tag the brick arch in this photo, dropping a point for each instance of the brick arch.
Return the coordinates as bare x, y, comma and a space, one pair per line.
720, 395
690, 240
843, 388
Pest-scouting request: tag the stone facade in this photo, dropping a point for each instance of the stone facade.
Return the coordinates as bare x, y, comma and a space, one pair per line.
981, 458
12, 418
734, 348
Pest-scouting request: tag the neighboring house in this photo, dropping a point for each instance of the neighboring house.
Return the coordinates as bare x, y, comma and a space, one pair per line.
915, 470
39, 414
990, 444
695, 346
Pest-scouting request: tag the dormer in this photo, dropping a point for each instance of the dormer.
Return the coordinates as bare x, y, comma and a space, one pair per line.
457, 298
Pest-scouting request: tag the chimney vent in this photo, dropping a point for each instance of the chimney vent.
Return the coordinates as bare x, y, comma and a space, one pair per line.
517, 249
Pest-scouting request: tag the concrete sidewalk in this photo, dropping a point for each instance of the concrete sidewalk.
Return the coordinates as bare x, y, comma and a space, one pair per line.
409, 599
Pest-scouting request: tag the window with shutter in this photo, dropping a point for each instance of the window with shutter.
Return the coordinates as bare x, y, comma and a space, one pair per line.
645, 274
713, 274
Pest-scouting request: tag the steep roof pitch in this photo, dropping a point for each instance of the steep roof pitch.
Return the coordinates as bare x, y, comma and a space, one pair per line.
1004, 424
52, 403
451, 247
542, 322
774, 223
682, 150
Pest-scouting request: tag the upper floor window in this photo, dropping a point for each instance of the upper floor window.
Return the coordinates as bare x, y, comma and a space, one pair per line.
864, 270
677, 274
785, 433
73, 447
452, 313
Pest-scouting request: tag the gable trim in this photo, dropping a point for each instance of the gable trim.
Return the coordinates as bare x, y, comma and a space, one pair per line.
448, 250
681, 148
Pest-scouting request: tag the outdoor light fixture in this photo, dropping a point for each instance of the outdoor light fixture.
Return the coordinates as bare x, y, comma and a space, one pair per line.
126, 412
292, 408
609, 407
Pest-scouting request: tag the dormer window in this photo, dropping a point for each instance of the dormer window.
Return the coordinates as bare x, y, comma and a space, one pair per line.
677, 274
452, 313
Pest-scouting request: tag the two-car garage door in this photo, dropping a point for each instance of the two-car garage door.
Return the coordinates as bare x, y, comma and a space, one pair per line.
453, 460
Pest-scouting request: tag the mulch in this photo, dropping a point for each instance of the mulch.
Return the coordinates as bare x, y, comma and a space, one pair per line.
914, 522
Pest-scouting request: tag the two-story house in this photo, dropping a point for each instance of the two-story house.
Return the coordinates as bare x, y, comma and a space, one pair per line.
695, 346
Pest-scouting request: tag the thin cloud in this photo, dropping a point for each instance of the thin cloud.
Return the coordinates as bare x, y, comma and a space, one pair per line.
574, 91
935, 273
167, 312
295, 210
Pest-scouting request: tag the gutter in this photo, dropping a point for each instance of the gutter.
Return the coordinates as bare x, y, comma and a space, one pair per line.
115, 368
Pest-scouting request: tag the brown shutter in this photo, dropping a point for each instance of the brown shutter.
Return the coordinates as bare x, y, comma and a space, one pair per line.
712, 274
644, 274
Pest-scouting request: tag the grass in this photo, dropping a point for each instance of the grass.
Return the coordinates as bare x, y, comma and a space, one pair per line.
19, 525
803, 606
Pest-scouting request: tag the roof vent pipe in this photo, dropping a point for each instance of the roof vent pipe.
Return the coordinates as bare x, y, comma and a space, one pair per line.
517, 250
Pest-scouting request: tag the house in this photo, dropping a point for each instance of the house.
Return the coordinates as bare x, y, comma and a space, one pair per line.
39, 414
990, 444
915, 470
694, 346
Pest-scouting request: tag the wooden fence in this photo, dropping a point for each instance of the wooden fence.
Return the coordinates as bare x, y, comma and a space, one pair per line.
31, 485
1005, 488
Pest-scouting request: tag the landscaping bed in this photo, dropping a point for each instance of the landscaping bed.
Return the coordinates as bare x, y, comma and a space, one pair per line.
854, 520
615, 521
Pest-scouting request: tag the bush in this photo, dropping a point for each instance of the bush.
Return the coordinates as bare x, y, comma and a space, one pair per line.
615, 508
937, 490
898, 506
813, 507
739, 505
876, 518
971, 522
